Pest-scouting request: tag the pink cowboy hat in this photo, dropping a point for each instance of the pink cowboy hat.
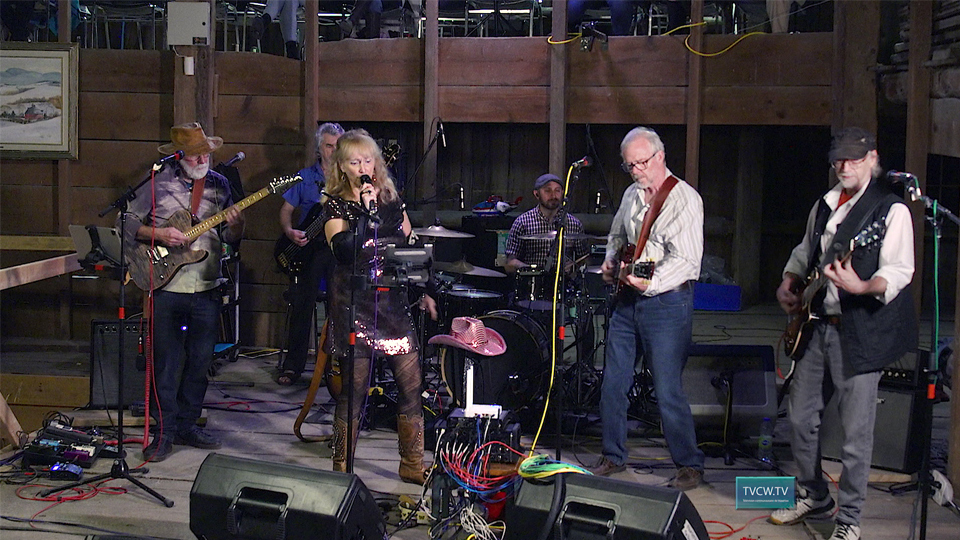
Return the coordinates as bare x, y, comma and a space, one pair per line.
470, 334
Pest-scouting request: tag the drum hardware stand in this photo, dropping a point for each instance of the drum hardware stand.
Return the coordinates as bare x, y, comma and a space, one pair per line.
120, 470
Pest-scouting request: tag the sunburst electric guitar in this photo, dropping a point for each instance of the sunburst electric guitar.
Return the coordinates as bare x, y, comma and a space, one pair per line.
796, 337
640, 269
153, 266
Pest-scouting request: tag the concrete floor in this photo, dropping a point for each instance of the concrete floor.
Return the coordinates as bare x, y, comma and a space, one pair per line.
254, 417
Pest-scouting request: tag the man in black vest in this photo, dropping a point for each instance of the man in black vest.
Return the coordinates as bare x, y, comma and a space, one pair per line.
865, 320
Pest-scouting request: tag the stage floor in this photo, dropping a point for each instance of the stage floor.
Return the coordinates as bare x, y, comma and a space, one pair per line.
254, 417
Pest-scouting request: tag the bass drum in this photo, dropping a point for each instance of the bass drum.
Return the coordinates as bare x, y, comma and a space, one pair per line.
516, 379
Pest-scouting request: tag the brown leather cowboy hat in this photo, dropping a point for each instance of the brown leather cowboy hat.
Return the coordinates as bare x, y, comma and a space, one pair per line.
191, 139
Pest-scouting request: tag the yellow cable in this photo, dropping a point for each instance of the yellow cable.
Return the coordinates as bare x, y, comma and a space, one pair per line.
701, 23
575, 37
686, 43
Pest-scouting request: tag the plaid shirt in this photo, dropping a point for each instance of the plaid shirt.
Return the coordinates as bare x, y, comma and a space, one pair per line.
538, 252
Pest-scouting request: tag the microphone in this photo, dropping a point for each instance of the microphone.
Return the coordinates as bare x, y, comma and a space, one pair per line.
581, 163
373, 202
239, 157
898, 177
176, 156
443, 134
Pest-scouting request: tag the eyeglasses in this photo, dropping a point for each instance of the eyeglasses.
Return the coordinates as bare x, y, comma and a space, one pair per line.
838, 164
641, 165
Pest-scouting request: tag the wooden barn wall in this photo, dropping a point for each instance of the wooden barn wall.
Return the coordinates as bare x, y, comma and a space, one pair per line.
494, 104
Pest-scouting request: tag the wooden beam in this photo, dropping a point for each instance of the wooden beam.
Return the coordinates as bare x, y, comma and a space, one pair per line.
9, 425
558, 91
427, 186
694, 114
35, 271
748, 214
856, 35
36, 243
311, 80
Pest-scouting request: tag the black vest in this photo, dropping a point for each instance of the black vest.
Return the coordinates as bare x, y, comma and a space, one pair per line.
872, 334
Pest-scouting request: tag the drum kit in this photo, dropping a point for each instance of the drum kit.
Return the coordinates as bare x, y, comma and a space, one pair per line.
519, 378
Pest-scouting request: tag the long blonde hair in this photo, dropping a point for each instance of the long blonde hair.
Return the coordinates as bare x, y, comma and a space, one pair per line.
358, 141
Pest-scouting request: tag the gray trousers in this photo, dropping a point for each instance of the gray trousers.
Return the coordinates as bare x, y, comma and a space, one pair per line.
819, 375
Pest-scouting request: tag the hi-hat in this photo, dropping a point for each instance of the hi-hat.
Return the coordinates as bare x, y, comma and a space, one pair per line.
553, 234
463, 267
439, 231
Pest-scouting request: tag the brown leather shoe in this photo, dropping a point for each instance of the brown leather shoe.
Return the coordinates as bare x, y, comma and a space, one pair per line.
606, 467
686, 478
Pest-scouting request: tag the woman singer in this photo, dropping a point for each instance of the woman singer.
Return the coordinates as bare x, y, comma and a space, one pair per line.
382, 316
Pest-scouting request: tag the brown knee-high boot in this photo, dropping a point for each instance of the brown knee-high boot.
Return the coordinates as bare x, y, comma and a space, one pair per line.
340, 443
410, 442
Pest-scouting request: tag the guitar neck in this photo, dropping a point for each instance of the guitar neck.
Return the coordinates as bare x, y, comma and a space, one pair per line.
194, 232
821, 279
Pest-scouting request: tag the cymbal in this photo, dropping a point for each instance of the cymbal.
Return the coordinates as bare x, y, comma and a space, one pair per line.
569, 236
463, 267
439, 231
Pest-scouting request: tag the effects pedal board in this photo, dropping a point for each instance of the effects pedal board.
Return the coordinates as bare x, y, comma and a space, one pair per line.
459, 428
61, 444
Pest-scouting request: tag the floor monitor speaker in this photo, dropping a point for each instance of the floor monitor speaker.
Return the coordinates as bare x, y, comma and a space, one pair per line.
234, 498
586, 507
749, 369
104, 343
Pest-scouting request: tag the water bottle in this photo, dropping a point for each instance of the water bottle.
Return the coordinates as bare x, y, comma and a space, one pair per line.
765, 443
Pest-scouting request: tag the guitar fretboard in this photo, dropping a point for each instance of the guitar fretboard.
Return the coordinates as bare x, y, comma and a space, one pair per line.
211, 222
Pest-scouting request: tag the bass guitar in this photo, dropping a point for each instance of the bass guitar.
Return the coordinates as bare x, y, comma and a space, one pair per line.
796, 337
291, 257
153, 266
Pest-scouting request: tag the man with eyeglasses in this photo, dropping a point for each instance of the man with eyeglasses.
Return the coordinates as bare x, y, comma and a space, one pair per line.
863, 322
317, 261
656, 312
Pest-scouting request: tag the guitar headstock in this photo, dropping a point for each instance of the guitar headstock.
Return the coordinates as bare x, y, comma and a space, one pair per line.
391, 153
279, 185
870, 235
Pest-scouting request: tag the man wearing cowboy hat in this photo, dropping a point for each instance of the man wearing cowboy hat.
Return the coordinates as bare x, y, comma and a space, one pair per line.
186, 310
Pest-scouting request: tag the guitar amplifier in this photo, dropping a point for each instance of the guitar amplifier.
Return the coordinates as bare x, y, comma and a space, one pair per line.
105, 358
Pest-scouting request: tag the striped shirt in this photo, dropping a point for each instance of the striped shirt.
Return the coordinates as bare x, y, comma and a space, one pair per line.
676, 239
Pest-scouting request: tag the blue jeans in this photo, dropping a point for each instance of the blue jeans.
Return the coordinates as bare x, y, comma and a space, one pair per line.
184, 334
662, 325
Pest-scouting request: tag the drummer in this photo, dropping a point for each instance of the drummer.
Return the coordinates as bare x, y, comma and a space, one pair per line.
542, 220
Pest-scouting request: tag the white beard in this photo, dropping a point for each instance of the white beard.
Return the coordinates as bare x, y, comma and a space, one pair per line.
195, 173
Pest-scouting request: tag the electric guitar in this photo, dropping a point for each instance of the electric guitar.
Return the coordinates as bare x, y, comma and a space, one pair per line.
291, 257
640, 269
152, 267
796, 337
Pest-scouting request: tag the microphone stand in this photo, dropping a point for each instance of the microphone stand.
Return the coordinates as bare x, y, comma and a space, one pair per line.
358, 282
120, 469
931, 370
423, 158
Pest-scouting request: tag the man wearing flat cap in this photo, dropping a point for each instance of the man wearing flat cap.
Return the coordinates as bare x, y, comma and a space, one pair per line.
863, 320
186, 310
541, 220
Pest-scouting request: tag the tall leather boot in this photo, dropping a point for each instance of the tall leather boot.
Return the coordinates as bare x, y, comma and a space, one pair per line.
410, 442
340, 443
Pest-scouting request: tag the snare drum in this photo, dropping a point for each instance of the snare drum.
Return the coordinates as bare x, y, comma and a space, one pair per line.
515, 379
530, 290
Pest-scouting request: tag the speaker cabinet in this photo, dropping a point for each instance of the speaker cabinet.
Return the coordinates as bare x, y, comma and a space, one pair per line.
749, 369
894, 430
594, 507
234, 498
104, 344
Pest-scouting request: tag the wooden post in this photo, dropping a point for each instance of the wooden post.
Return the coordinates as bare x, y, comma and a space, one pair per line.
749, 213
558, 92
64, 186
193, 95
856, 35
694, 115
311, 79
431, 108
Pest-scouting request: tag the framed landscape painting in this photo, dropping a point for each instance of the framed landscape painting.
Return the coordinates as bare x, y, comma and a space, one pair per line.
38, 100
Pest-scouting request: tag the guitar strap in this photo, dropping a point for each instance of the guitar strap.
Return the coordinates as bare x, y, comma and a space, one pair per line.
655, 205
195, 197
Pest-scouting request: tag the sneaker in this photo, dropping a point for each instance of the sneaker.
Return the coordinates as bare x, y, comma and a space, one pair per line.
607, 467
686, 478
158, 450
197, 438
805, 507
845, 532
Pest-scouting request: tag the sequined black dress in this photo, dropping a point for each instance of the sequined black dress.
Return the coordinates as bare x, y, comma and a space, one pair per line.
383, 317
